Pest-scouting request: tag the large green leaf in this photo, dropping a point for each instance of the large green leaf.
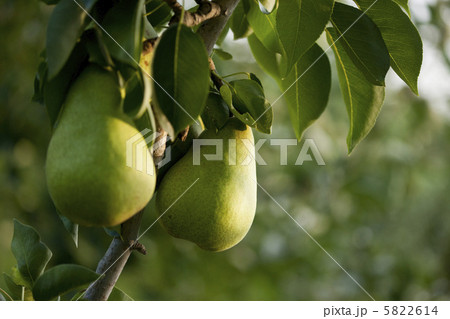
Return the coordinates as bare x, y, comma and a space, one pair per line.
401, 38
307, 88
248, 98
362, 41
50, 2
62, 279
266, 59
362, 99
64, 28
299, 25
31, 254
239, 24
404, 5
263, 25
181, 77
125, 26
137, 94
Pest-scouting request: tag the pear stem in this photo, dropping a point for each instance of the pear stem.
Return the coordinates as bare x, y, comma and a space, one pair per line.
116, 257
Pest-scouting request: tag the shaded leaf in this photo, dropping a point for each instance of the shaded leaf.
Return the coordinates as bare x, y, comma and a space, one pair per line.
263, 25
307, 89
299, 25
181, 77
362, 41
222, 54
362, 99
137, 95
158, 13
248, 98
71, 227
31, 254
401, 37
266, 60
50, 2
61, 279
125, 25
55, 90
223, 34
239, 24
216, 112
65, 26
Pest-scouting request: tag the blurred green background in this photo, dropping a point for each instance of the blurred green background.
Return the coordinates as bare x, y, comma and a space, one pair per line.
383, 213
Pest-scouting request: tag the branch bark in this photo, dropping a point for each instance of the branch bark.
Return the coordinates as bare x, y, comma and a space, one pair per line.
119, 251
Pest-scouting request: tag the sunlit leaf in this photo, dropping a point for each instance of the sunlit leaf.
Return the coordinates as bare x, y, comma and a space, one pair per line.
362, 99
266, 60
181, 77
401, 37
362, 41
299, 25
306, 89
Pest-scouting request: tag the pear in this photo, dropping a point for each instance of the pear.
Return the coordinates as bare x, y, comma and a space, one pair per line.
217, 210
86, 168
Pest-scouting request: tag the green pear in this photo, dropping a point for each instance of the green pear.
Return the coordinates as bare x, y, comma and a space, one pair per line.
87, 173
212, 204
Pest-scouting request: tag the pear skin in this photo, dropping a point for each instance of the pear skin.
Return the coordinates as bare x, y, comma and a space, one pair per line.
86, 169
218, 210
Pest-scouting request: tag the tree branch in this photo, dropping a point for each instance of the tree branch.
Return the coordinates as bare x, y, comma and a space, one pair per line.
205, 11
119, 251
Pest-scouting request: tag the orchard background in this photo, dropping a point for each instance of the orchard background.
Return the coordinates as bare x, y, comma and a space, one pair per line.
383, 212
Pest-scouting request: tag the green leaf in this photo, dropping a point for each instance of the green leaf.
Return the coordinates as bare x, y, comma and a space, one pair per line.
404, 5
307, 89
119, 295
401, 37
248, 98
61, 279
263, 25
158, 13
216, 112
300, 23
71, 227
137, 94
55, 90
362, 41
266, 60
64, 28
14, 290
239, 24
223, 34
31, 254
125, 25
96, 48
181, 77
222, 54
362, 99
